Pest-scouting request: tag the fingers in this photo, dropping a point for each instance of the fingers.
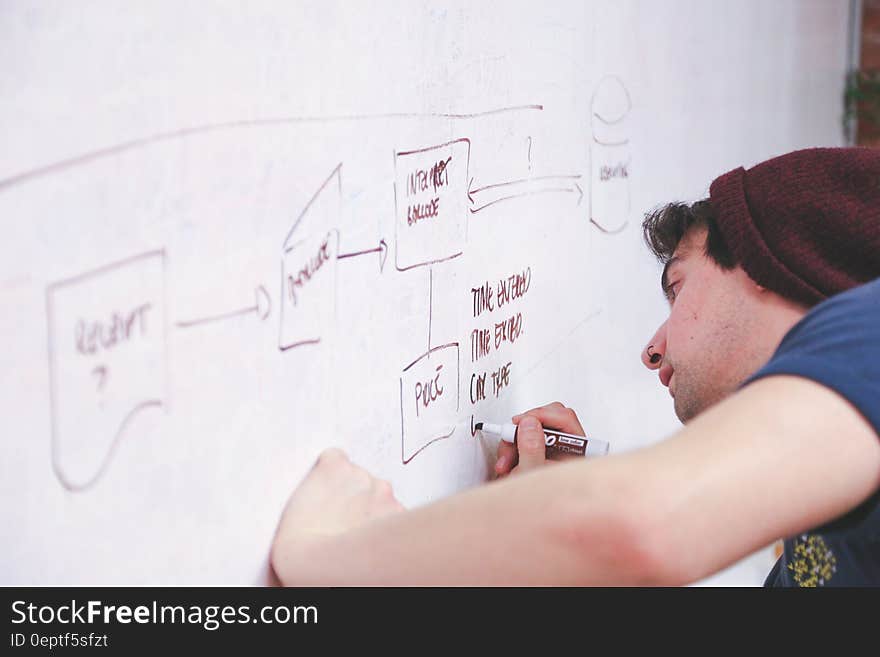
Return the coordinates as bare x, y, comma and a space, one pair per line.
334, 468
530, 443
330, 459
555, 416
507, 458
335, 497
384, 501
331, 454
375, 496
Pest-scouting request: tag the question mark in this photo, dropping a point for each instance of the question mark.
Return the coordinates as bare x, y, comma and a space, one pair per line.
101, 373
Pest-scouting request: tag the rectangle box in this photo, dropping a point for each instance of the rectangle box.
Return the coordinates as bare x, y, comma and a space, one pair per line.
308, 290
431, 204
107, 361
428, 399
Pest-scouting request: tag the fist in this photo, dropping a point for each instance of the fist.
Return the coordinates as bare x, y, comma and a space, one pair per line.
528, 453
336, 496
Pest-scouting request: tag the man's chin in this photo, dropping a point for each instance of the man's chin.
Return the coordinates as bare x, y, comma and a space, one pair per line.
687, 406
685, 412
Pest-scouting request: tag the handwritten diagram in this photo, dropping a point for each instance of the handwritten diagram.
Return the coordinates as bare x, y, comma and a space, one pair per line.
611, 155
308, 269
107, 361
261, 307
429, 399
430, 199
108, 327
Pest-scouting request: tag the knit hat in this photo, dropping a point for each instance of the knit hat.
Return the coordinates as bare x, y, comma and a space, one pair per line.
807, 224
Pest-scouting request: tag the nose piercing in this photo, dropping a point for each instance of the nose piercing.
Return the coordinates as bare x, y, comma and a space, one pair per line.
654, 358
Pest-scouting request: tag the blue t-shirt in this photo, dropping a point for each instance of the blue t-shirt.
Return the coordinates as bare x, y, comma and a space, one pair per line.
836, 344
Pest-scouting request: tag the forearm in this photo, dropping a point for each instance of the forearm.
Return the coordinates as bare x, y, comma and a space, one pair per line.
564, 524
747, 471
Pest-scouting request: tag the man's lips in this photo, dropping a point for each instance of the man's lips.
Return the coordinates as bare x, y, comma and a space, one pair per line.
666, 374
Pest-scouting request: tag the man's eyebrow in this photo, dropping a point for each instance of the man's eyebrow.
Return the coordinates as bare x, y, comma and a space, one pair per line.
664, 281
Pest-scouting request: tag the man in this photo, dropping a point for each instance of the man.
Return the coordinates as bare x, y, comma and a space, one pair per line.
781, 405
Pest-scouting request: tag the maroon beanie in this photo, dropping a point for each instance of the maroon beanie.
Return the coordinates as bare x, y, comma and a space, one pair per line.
805, 224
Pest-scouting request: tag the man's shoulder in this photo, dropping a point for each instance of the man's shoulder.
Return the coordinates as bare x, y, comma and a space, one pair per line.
865, 297
837, 344
854, 314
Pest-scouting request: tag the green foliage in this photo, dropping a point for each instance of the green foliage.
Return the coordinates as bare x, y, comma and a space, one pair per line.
862, 99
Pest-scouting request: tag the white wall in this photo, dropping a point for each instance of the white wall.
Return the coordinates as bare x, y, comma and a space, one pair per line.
199, 134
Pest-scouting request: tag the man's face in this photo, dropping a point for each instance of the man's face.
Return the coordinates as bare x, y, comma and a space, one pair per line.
717, 333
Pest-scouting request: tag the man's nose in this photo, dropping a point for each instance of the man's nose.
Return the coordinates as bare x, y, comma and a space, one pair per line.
652, 354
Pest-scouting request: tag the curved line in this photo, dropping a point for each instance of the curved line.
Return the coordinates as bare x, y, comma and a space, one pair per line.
142, 142
104, 269
423, 264
608, 231
623, 142
76, 488
610, 121
513, 196
625, 93
281, 308
419, 450
298, 344
523, 180
437, 147
265, 294
429, 352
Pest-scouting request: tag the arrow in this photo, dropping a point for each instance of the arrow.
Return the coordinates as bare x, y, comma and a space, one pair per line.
382, 250
511, 189
262, 307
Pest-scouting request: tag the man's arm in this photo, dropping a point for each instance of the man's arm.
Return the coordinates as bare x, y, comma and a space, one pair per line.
779, 457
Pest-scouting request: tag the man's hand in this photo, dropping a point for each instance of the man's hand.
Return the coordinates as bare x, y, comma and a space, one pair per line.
528, 453
334, 497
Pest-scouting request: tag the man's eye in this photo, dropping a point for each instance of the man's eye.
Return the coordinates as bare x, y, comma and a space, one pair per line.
673, 290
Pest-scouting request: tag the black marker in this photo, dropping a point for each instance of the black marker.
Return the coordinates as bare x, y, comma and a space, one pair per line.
556, 443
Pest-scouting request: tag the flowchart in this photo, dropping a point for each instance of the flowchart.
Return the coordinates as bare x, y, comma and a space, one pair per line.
108, 349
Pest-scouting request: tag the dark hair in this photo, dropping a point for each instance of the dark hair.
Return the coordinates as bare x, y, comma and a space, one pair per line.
664, 228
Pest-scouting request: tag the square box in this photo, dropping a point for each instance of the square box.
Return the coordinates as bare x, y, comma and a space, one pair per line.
430, 204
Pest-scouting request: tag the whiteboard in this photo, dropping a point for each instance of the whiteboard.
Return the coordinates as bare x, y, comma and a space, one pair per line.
237, 234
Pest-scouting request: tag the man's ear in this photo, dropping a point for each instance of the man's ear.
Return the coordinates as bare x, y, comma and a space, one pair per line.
760, 289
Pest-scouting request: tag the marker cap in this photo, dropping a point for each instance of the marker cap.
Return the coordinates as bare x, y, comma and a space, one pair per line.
596, 447
507, 432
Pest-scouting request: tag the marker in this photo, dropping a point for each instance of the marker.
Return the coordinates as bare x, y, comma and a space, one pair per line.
556, 443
